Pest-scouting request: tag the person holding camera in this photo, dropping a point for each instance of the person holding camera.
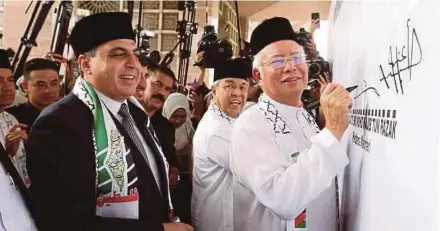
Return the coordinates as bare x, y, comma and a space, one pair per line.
316, 88
283, 167
318, 72
198, 90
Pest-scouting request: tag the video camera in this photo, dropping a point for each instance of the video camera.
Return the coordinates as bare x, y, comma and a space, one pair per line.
215, 50
147, 57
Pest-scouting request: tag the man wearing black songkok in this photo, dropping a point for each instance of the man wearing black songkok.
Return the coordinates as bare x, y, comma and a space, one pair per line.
285, 180
212, 177
93, 163
15, 202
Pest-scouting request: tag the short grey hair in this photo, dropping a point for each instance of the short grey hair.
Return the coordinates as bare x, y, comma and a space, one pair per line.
215, 84
256, 63
91, 53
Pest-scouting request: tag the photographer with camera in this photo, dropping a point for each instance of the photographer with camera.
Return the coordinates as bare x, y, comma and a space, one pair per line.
215, 50
316, 89
211, 52
198, 90
319, 72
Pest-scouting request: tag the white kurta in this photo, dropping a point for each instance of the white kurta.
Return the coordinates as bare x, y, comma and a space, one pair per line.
13, 212
6, 122
282, 167
248, 105
211, 201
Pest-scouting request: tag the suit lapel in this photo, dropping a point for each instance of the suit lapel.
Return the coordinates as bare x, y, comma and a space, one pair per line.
141, 119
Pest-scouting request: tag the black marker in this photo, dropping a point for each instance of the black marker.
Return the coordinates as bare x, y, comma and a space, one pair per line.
350, 89
316, 104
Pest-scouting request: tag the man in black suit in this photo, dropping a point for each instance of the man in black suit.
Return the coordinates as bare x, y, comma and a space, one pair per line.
156, 85
153, 89
92, 161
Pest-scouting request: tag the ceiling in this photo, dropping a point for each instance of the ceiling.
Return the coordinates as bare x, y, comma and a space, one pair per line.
248, 8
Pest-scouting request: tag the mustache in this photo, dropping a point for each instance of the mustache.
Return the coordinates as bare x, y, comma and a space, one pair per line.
159, 97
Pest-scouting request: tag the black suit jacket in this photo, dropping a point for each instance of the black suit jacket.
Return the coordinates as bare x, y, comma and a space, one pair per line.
25, 113
61, 165
167, 135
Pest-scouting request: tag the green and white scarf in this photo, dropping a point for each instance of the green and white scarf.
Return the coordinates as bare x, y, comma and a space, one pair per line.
116, 197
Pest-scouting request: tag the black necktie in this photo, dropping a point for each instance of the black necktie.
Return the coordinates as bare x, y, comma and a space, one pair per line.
128, 124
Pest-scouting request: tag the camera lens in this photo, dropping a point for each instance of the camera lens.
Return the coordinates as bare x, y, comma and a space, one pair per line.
314, 70
154, 56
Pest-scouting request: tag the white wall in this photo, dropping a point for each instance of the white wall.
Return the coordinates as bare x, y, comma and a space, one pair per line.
391, 183
298, 12
299, 15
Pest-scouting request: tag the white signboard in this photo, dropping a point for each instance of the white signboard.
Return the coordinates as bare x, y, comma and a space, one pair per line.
391, 50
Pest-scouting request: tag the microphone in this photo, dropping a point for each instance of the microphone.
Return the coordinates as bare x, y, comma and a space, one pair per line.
316, 104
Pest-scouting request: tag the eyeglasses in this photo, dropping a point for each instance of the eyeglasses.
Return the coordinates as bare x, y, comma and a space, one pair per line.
280, 62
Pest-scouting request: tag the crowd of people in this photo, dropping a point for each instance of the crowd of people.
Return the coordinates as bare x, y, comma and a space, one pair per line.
129, 148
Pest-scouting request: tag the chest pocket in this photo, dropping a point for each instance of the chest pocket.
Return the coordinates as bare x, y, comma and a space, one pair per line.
301, 129
289, 145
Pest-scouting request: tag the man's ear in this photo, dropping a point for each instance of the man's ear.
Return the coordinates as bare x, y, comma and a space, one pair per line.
256, 74
85, 64
213, 91
25, 86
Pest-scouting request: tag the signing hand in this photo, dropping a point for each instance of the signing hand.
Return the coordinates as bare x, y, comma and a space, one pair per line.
335, 103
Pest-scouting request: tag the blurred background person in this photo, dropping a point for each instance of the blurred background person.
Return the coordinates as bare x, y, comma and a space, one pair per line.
176, 110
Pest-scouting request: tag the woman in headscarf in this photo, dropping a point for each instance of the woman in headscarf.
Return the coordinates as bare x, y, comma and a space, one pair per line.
176, 110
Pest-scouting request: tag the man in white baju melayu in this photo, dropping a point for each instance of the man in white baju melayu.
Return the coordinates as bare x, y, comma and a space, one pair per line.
15, 200
283, 168
211, 203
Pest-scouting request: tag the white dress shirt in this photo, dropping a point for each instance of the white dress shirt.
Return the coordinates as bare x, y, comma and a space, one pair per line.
278, 174
211, 202
248, 105
113, 106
